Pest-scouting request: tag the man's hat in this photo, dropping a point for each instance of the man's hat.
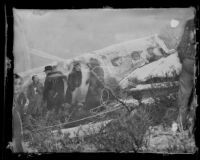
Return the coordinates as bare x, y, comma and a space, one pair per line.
48, 68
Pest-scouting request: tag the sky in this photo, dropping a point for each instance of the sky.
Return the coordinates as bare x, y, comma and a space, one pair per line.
70, 33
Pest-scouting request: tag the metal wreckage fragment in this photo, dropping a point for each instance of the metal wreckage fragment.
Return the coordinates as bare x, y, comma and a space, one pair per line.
119, 64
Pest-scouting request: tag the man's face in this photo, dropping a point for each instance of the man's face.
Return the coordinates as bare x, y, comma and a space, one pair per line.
77, 68
17, 85
36, 79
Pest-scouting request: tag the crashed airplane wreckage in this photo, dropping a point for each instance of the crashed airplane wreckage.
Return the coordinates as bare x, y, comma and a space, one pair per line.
116, 67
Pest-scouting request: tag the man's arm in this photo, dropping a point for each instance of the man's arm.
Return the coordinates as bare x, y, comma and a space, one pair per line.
17, 131
46, 88
29, 91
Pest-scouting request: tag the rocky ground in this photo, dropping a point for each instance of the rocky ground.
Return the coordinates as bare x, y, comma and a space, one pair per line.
158, 140
167, 141
157, 134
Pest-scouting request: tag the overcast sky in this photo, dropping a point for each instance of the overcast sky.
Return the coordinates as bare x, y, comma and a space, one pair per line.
68, 33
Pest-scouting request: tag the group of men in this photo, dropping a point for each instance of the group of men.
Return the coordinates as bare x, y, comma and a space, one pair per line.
40, 98
52, 94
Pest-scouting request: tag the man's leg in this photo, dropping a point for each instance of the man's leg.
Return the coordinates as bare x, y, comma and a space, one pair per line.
49, 108
185, 89
58, 107
34, 109
68, 97
59, 110
38, 106
43, 107
192, 114
17, 132
18, 145
50, 105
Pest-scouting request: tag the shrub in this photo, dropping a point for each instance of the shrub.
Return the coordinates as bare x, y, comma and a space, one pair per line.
124, 134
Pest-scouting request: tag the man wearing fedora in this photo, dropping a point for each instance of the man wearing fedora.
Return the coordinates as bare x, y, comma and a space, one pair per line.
53, 93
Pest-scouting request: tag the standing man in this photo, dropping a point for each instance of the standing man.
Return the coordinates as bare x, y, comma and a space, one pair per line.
19, 102
186, 51
46, 98
96, 84
74, 81
34, 94
53, 92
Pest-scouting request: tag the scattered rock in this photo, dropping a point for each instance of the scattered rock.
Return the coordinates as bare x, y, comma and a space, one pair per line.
27, 148
89, 148
160, 140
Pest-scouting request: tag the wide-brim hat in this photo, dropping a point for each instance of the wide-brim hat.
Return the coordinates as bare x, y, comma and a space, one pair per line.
48, 68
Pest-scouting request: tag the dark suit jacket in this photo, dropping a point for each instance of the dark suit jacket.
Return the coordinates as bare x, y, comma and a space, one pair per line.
54, 87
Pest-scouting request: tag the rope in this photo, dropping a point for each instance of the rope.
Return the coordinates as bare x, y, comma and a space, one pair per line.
59, 125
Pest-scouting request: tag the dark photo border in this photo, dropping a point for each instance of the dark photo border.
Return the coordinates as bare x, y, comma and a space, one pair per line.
7, 81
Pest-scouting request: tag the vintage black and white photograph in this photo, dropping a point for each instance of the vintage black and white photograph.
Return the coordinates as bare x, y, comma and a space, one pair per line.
104, 80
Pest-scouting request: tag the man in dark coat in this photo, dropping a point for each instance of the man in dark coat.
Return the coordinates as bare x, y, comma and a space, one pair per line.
186, 51
53, 92
34, 94
74, 81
